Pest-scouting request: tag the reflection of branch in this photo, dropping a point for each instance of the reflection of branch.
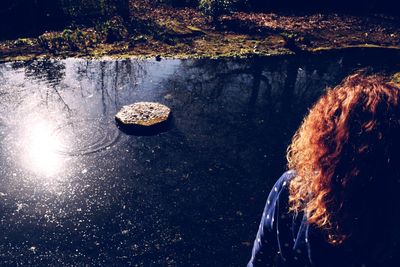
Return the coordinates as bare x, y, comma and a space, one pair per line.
306, 89
255, 90
116, 84
254, 70
62, 99
126, 72
288, 95
249, 71
47, 97
103, 100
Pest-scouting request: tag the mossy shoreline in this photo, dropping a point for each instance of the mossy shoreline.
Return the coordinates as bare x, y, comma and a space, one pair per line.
215, 52
167, 32
160, 56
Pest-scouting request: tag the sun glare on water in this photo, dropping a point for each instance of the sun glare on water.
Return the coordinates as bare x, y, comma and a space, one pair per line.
40, 151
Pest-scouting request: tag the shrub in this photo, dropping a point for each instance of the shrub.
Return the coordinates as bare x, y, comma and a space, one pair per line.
114, 30
179, 3
23, 42
74, 40
83, 10
216, 8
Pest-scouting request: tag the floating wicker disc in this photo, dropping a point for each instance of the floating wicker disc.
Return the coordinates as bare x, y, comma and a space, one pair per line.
143, 114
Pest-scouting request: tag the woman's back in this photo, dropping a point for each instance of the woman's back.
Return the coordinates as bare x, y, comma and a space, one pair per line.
286, 239
339, 206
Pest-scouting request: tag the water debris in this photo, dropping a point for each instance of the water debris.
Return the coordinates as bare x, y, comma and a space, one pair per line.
143, 114
125, 232
168, 97
20, 206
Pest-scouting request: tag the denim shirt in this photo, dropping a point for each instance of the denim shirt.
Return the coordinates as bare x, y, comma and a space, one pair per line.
286, 239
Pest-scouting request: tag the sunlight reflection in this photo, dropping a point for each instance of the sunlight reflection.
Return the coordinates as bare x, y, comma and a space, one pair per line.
40, 152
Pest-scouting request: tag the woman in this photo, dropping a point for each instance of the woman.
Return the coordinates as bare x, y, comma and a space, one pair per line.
338, 204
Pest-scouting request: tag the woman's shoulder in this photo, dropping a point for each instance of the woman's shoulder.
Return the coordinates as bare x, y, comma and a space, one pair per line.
284, 180
275, 240
282, 184
279, 190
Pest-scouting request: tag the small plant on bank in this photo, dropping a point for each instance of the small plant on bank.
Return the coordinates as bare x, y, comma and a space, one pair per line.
69, 40
87, 11
114, 30
215, 8
78, 39
192, 3
23, 42
134, 41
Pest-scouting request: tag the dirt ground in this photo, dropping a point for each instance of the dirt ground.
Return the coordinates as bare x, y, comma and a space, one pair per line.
186, 33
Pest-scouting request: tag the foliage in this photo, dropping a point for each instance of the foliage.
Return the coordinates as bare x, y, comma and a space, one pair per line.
212, 8
192, 3
83, 10
114, 30
216, 8
74, 40
23, 42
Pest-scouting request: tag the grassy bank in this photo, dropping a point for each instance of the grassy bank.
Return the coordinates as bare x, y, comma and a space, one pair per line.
166, 31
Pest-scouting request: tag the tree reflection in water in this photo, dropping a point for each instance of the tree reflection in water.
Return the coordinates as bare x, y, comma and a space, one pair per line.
235, 114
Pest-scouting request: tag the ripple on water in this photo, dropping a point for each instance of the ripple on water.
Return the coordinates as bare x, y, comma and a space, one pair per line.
81, 137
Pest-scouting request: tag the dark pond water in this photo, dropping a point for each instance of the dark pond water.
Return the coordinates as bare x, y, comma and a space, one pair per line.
75, 191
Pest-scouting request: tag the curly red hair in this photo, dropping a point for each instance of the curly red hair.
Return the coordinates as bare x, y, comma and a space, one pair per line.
346, 147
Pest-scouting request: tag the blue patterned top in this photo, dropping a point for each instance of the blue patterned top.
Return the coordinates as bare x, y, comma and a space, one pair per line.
285, 239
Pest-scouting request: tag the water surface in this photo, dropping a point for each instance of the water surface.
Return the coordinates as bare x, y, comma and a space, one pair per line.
76, 191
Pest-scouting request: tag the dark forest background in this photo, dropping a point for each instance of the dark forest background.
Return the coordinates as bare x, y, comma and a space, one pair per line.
29, 18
